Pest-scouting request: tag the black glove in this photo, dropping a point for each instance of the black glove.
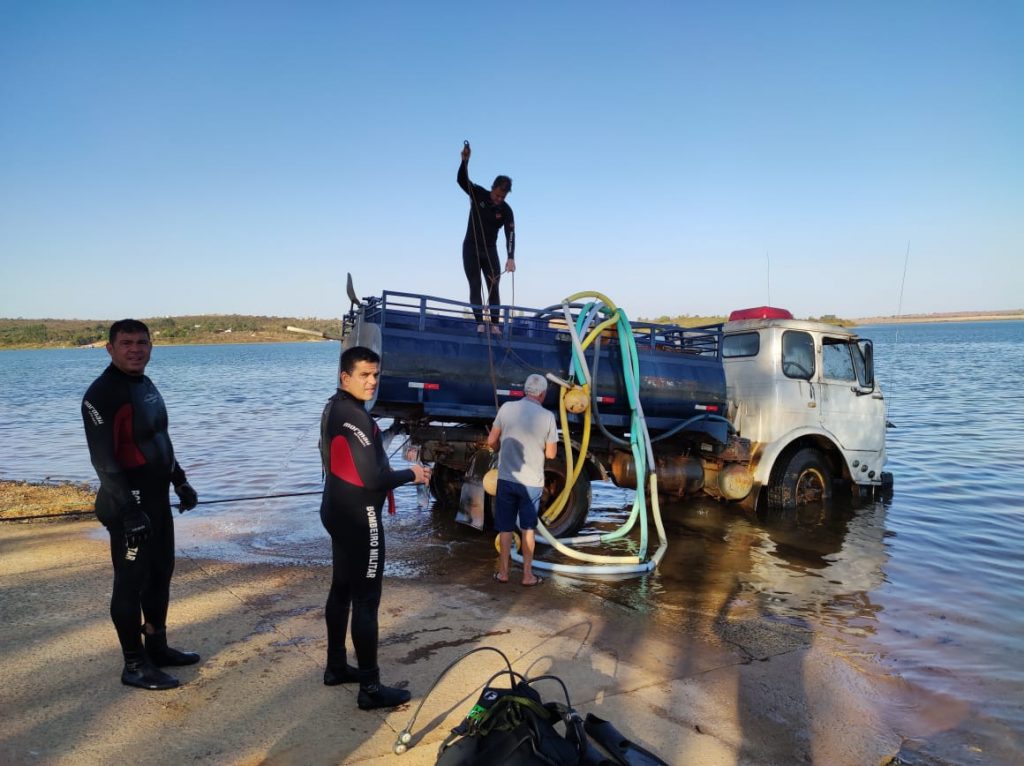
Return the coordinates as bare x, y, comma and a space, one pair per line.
188, 497
136, 528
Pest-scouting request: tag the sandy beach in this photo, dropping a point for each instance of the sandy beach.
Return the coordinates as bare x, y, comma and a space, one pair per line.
722, 690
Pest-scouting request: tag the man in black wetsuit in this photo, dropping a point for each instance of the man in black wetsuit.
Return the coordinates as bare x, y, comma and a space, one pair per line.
489, 214
126, 429
358, 479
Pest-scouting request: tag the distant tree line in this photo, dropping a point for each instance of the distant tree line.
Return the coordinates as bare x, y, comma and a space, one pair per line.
205, 328
38, 333
686, 320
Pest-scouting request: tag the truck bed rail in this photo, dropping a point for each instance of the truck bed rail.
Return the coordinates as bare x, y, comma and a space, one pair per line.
436, 365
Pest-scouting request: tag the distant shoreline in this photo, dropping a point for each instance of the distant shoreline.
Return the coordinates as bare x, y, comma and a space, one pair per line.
58, 332
199, 329
952, 316
236, 340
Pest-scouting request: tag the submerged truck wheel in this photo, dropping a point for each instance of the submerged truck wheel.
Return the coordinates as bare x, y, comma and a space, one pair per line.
446, 484
802, 478
574, 513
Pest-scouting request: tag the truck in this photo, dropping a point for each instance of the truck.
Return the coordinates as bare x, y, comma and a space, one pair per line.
761, 411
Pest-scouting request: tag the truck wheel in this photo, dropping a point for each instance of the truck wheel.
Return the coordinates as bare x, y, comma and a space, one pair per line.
803, 478
574, 514
446, 484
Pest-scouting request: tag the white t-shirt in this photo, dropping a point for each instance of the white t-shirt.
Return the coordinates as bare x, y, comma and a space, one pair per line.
526, 429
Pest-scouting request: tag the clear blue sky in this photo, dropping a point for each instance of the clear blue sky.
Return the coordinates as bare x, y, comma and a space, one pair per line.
683, 158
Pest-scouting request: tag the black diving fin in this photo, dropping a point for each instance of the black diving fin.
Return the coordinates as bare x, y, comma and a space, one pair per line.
620, 750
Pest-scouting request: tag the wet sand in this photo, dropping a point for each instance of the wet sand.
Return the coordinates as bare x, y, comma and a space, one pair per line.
30, 500
754, 692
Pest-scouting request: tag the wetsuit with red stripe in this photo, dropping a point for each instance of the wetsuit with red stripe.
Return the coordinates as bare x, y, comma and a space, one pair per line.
358, 480
126, 429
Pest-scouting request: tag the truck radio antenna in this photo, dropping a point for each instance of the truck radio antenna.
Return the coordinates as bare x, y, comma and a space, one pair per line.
896, 340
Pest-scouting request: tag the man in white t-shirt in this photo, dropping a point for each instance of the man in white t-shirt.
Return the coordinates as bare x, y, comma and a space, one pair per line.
526, 435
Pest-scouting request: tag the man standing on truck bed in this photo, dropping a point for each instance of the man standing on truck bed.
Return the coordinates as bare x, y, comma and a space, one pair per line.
488, 214
358, 480
526, 434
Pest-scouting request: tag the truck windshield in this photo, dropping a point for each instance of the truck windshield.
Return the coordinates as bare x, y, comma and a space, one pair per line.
836, 359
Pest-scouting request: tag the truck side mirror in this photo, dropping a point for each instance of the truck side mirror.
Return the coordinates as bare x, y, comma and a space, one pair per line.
867, 352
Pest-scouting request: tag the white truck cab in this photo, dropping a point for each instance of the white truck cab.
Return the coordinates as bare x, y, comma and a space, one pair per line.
804, 394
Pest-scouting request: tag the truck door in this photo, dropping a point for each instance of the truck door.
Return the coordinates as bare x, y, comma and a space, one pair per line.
795, 395
851, 409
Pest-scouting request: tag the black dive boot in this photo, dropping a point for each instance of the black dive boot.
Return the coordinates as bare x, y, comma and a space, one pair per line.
338, 670
373, 695
140, 672
162, 655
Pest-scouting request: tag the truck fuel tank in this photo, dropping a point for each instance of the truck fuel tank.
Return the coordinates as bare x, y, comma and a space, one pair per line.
679, 475
732, 481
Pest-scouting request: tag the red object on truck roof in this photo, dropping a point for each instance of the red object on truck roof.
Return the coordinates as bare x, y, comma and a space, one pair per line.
760, 312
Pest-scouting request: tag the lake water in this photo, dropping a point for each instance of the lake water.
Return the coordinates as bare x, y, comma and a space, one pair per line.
928, 584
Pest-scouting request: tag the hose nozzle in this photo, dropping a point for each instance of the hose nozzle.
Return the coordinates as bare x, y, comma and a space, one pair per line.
402, 743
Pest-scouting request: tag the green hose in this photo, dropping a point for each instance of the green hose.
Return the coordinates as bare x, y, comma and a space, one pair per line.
639, 440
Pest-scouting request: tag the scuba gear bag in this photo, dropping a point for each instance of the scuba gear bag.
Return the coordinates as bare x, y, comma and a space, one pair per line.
513, 727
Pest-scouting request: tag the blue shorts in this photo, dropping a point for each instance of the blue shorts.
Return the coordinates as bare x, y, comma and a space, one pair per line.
515, 499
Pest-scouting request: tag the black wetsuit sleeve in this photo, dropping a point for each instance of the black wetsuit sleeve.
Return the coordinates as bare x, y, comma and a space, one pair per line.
510, 233
102, 409
462, 177
357, 451
475, 191
178, 475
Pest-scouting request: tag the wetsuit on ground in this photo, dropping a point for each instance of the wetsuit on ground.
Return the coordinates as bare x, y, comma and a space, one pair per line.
358, 479
126, 429
480, 245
